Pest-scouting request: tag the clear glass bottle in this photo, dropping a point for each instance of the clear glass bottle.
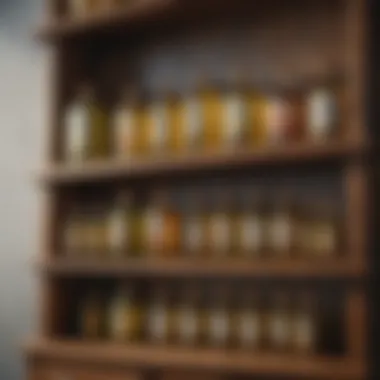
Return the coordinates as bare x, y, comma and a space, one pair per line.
159, 316
279, 322
91, 316
120, 226
188, 318
249, 322
194, 224
219, 318
124, 315
77, 125
251, 225
305, 324
125, 127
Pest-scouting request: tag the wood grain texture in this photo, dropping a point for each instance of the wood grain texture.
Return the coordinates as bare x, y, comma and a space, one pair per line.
219, 361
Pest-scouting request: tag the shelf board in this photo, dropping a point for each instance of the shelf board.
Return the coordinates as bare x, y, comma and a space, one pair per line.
202, 268
138, 15
296, 153
222, 361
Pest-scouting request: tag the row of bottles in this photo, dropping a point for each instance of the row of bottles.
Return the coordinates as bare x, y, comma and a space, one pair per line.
209, 120
248, 320
218, 224
85, 8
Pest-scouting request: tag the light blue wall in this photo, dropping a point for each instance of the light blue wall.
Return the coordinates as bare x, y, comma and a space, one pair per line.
22, 121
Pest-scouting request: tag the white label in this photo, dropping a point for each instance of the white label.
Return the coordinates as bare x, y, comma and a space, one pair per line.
276, 115
249, 328
124, 132
321, 113
76, 125
154, 229
251, 234
233, 118
158, 323
193, 121
159, 122
187, 324
220, 233
219, 326
193, 234
118, 230
304, 332
281, 233
279, 330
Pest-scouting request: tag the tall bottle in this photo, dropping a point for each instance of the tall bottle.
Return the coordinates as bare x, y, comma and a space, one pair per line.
159, 317
194, 233
176, 125
120, 226
77, 126
125, 127
124, 315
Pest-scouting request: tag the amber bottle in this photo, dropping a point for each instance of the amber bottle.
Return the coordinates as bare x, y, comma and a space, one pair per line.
91, 316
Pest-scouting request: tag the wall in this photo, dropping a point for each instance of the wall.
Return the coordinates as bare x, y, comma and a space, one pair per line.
22, 90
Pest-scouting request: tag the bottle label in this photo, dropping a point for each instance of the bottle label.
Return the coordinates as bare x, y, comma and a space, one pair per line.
249, 328
321, 113
233, 118
188, 325
76, 125
251, 234
118, 230
123, 125
219, 327
281, 233
304, 332
193, 121
220, 233
159, 133
279, 330
158, 323
193, 234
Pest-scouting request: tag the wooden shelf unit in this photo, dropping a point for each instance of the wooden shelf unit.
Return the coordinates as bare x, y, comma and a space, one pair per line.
50, 358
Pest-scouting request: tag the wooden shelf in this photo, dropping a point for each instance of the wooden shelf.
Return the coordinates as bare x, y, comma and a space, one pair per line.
202, 268
279, 155
221, 361
141, 14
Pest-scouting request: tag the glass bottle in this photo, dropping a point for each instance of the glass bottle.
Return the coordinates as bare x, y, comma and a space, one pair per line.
249, 321
120, 225
251, 226
234, 120
72, 239
257, 124
192, 121
158, 127
177, 143
282, 227
91, 316
188, 316
125, 127
159, 316
99, 230
219, 225
193, 226
279, 322
321, 113
305, 324
142, 116
125, 318
77, 124
324, 229
219, 326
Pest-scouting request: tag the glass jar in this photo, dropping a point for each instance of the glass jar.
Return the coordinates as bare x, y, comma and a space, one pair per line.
305, 324
279, 323
251, 225
124, 316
